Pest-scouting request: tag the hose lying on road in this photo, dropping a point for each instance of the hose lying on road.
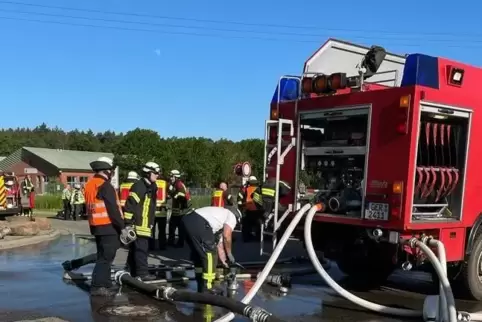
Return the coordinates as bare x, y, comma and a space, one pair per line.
255, 314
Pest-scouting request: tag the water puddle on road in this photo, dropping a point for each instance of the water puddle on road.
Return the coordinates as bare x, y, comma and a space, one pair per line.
31, 287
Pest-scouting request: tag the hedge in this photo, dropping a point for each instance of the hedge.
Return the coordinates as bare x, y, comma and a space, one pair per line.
54, 202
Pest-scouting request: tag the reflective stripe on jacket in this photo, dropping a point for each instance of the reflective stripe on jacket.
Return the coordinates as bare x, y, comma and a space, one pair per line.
161, 192
217, 199
124, 192
96, 210
249, 205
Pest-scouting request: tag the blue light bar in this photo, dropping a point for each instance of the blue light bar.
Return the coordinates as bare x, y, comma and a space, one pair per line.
421, 70
289, 90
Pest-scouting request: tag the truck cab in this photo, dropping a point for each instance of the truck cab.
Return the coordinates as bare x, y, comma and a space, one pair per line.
390, 158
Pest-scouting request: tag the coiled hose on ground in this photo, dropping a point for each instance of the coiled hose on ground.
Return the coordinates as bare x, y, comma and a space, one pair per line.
255, 314
447, 298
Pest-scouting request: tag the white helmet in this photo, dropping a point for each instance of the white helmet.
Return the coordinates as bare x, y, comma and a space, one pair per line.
151, 167
76, 185
9, 183
132, 175
102, 163
252, 179
175, 173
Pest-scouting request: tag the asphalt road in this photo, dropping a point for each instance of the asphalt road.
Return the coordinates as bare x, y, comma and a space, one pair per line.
31, 287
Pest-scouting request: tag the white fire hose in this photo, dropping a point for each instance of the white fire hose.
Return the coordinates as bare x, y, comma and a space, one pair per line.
439, 308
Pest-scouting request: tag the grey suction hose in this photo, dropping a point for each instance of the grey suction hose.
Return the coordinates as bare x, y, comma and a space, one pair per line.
255, 314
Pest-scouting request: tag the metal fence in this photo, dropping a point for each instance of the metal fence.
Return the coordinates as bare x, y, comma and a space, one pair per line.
56, 189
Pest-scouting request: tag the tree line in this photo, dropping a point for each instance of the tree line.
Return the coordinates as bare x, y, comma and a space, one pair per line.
203, 162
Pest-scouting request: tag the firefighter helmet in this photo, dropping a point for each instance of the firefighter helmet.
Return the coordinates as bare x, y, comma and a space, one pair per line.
151, 167
252, 179
132, 175
102, 163
76, 185
175, 173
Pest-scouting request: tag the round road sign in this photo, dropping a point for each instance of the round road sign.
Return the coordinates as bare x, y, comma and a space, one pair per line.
246, 169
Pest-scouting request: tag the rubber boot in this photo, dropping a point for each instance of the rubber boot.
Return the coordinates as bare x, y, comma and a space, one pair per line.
67, 266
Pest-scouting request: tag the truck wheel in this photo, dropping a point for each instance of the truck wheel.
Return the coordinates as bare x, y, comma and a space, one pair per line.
471, 274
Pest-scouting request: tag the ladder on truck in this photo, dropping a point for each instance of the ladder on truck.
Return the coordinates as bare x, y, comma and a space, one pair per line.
274, 155
273, 159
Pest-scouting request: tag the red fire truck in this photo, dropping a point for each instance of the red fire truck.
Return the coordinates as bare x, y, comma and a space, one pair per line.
9, 195
390, 158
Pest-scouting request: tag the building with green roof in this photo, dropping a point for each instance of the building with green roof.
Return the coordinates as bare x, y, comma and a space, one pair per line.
44, 165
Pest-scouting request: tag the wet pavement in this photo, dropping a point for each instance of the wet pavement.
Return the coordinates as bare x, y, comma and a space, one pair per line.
31, 287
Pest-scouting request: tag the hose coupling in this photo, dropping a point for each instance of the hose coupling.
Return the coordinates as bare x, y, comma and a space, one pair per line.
165, 293
425, 239
118, 276
256, 314
464, 316
281, 280
412, 242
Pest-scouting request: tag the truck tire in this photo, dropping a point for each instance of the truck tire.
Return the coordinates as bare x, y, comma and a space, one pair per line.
471, 274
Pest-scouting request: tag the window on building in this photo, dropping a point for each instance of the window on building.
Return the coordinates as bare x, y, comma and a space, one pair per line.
71, 180
83, 179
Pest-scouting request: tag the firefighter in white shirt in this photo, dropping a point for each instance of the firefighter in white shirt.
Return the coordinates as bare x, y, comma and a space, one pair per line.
208, 232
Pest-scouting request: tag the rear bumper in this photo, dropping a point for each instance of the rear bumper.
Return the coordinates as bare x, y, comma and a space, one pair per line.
10, 212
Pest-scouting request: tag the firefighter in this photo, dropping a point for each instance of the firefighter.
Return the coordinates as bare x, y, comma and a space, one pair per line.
181, 202
106, 223
124, 188
77, 201
66, 194
160, 221
264, 196
221, 197
139, 213
251, 212
27, 189
208, 232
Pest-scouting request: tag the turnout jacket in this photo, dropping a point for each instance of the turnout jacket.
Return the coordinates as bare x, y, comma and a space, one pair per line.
140, 207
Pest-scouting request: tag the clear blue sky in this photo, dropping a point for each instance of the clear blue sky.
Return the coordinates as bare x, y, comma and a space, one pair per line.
186, 85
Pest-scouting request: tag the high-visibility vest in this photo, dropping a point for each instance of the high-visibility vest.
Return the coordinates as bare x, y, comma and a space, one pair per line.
124, 192
249, 200
96, 210
217, 199
161, 192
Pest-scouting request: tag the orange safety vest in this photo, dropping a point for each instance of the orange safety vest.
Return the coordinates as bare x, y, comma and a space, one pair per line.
249, 201
96, 210
161, 192
124, 192
217, 199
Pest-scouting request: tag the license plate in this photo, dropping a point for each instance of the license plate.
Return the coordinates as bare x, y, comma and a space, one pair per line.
376, 211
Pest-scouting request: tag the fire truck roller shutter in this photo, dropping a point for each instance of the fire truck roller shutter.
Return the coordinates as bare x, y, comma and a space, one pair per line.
3, 193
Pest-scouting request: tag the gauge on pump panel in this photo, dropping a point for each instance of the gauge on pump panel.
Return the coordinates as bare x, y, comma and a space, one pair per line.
325, 163
319, 163
332, 163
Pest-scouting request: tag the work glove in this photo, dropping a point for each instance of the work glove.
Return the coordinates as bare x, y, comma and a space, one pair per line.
128, 235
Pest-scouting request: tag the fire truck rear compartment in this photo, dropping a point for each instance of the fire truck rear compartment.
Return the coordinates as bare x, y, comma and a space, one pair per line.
441, 161
334, 147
